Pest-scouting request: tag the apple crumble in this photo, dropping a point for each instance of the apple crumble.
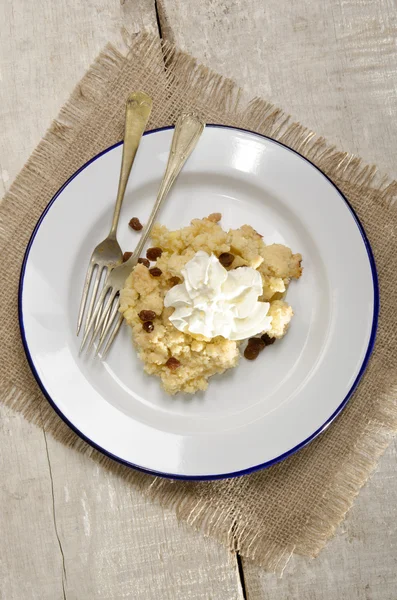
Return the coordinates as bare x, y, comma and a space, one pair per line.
204, 293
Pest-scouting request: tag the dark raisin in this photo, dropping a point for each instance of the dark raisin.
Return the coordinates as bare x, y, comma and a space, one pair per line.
144, 261
172, 363
155, 272
154, 253
256, 343
148, 326
251, 352
135, 224
254, 346
147, 315
126, 256
174, 280
267, 340
226, 259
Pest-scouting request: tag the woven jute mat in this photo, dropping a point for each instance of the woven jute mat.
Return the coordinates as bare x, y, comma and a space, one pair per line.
296, 505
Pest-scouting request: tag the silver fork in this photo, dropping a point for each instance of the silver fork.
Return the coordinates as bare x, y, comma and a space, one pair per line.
188, 129
108, 253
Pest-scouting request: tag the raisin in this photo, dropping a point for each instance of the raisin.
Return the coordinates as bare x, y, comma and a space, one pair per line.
126, 256
267, 340
254, 346
174, 280
148, 326
147, 315
155, 272
172, 363
251, 352
256, 343
144, 261
135, 224
154, 253
226, 259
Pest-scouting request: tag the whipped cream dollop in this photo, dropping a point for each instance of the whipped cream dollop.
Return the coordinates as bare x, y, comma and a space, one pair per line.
212, 301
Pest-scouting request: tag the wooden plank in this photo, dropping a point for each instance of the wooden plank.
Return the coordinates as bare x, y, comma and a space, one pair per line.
72, 530
331, 65
45, 48
117, 544
69, 529
30, 558
360, 562
352, 100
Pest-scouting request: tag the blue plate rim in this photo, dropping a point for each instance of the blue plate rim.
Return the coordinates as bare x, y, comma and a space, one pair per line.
254, 468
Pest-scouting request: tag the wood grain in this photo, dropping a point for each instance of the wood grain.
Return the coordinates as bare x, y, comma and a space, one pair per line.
360, 563
45, 48
68, 529
30, 557
331, 65
117, 544
72, 530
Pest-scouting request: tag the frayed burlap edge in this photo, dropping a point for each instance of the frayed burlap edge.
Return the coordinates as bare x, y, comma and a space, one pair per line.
221, 100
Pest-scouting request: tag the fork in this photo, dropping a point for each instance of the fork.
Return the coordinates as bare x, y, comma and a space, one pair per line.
188, 129
108, 253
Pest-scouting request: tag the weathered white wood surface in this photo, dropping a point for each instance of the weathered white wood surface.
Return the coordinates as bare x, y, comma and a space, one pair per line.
360, 563
45, 48
68, 529
71, 530
333, 66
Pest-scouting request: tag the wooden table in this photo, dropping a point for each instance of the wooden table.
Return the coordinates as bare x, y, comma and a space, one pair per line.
69, 529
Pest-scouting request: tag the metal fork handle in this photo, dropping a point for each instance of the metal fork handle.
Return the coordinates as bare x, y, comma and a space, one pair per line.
137, 112
188, 129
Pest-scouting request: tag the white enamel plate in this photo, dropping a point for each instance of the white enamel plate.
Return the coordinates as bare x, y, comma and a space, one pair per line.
258, 413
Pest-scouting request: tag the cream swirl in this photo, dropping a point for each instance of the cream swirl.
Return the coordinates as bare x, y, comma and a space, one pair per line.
212, 301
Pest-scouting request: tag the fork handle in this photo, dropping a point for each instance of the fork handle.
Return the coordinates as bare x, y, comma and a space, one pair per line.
188, 129
137, 112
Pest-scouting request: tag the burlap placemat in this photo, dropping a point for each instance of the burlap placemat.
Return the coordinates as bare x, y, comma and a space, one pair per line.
296, 505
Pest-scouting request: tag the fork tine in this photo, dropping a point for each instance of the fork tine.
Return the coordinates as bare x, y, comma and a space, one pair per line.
105, 323
92, 322
109, 323
103, 316
98, 277
84, 295
112, 336
97, 321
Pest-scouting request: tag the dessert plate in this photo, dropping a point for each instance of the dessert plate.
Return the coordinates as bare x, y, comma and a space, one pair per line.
258, 413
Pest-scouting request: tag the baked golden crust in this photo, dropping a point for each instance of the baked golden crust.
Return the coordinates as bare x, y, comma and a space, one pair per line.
200, 358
